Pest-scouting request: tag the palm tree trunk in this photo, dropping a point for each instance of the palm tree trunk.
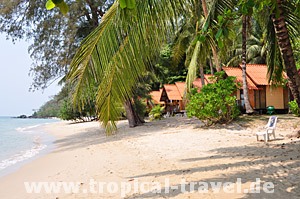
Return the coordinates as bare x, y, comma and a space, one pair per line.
214, 49
202, 75
132, 117
244, 75
211, 67
286, 51
204, 7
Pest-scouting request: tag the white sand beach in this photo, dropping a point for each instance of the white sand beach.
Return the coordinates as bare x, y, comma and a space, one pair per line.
168, 152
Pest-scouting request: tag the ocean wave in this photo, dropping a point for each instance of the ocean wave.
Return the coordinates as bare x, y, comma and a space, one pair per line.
23, 155
27, 128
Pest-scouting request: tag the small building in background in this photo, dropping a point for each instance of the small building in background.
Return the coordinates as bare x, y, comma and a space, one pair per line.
155, 98
171, 96
261, 93
197, 83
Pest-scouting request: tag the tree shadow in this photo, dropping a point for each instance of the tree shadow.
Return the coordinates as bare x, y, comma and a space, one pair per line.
276, 163
94, 136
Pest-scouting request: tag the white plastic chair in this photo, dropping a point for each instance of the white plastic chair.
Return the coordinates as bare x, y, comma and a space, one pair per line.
270, 129
167, 115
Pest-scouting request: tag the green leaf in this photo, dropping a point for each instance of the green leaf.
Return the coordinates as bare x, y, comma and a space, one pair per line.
50, 5
63, 7
201, 38
123, 4
219, 33
220, 43
205, 27
131, 4
220, 19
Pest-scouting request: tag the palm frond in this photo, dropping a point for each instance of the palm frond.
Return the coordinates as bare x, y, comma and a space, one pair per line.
193, 67
116, 54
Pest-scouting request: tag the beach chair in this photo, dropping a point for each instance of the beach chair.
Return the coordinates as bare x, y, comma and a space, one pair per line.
269, 129
167, 115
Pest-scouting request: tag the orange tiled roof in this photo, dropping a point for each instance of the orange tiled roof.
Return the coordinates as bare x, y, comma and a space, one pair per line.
258, 73
172, 92
155, 95
237, 72
180, 87
198, 84
207, 78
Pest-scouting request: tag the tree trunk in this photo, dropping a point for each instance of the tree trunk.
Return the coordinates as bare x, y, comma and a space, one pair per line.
214, 49
286, 51
204, 7
202, 75
132, 116
211, 67
244, 75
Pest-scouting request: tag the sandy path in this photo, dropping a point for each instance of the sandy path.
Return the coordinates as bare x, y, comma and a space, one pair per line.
170, 151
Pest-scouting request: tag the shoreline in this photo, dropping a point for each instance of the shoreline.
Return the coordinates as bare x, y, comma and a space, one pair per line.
173, 149
42, 144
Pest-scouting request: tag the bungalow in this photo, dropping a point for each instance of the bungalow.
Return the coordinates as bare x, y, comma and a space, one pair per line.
261, 93
172, 95
197, 83
155, 96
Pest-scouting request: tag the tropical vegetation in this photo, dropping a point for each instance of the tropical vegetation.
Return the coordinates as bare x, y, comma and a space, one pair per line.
216, 102
120, 34
294, 108
123, 46
156, 112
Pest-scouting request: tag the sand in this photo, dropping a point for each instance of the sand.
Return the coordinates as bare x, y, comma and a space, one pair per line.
172, 158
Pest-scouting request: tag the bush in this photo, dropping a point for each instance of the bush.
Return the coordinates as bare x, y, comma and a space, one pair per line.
156, 112
67, 112
294, 108
215, 103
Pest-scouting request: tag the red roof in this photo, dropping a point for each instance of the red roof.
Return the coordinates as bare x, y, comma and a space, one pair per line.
180, 87
258, 73
237, 72
198, 83
207, 78
155, 95
172, 92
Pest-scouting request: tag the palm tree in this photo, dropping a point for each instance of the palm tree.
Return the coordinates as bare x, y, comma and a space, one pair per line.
120, 50
248, 107
117, 53
205, 41
256, 45
283, 11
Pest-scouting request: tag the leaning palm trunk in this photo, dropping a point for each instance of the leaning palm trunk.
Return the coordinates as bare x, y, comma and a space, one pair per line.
132, 117
286, 51
119, 51
244, 75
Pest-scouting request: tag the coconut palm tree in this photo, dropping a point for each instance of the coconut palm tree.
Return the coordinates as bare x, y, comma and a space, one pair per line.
120, 50
117, 53
256, 45
248, 107
282, 16
206, 39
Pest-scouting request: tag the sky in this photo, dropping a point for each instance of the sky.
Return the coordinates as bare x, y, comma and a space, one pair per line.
15, 97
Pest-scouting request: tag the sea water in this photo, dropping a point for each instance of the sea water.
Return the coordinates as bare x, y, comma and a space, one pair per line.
21, 140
